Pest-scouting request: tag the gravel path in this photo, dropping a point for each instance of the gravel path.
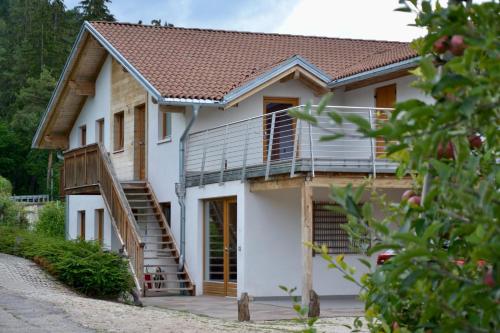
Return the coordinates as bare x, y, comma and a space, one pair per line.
32, 301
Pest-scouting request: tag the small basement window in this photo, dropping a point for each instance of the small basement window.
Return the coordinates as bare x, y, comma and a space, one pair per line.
328, 230
164, 125
119, 131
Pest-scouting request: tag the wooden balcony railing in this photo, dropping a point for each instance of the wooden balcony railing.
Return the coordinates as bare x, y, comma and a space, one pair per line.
88, 170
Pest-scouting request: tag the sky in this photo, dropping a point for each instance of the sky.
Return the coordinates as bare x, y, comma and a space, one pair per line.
365, 19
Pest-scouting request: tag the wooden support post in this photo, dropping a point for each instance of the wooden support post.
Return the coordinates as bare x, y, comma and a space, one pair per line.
313, 305
244, 308
306, 237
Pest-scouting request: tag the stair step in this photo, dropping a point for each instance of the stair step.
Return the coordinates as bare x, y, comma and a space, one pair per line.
146, 214
140, 201
158, 250
143, 207
161, 265
161, 257
147, 242
137, 194
166, 273
168, 289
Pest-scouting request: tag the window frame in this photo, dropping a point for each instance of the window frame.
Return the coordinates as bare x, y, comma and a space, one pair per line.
81, 227
119, 131
164, 126
322, 229
99, 130
82, 130
99, 225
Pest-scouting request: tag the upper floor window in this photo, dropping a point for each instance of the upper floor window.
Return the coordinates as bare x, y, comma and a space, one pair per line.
119, 131
164, 125
99, 130
83, 135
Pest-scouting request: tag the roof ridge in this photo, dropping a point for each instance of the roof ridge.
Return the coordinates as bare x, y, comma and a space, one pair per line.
247, 32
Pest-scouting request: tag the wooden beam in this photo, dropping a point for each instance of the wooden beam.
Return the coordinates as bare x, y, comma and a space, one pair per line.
306, 228
56, 141
377, 79
386, 181
172, 108
82, 87
276, 184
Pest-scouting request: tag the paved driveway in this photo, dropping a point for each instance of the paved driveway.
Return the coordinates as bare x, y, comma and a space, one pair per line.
31, 301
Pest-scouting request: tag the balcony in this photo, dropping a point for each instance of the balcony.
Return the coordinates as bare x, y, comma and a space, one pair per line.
277, 144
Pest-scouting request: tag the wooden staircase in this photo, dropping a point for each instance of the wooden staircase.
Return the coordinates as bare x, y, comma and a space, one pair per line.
162, 275
136, 218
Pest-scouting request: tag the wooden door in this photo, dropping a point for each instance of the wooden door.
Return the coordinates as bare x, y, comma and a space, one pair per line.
140, 143
220, 247
284, 128
385, 97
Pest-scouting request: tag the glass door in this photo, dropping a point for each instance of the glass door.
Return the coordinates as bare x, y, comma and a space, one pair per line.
221, 247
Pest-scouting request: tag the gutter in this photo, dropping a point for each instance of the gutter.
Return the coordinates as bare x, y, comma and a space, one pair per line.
406, 64
180, 188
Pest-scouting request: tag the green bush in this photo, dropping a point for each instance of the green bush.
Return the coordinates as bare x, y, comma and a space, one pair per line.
81, 265
5, 186
10, 212
51, 220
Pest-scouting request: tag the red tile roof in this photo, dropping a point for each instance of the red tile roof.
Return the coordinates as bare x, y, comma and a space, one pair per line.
207, 64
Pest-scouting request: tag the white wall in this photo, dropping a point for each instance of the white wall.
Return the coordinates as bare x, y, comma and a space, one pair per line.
95, 108
89, 203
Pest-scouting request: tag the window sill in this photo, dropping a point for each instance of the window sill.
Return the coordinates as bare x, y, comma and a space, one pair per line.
118, 151
167, 139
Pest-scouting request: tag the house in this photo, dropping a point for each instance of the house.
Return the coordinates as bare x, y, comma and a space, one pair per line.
179, 151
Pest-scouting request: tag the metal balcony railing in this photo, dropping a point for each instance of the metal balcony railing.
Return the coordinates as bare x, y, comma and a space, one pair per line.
276, 143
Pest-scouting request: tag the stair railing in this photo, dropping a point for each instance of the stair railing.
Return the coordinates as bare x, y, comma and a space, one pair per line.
90, 166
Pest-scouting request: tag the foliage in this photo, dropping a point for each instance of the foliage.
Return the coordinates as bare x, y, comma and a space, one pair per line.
445, 275
35, 39
301, 312
95, 10
11, 213
81, 265
5, 186
51, 220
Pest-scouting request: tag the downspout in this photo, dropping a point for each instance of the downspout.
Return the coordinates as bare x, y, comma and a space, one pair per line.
180, 188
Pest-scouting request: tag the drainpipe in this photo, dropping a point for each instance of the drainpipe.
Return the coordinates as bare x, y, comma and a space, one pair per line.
180, 188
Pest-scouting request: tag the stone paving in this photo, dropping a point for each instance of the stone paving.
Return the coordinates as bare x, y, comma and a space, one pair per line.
32, 301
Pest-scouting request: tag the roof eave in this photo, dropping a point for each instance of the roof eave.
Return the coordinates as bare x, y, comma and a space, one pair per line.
282, 67
401, 65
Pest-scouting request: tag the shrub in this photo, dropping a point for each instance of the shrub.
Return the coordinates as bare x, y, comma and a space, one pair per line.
81, 265
5, 186
51, 220
10, 212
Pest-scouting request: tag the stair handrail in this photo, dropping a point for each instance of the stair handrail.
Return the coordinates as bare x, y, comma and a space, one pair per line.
123, 199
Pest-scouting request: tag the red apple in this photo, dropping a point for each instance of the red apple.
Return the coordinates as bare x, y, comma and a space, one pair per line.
457, 45
446, 152
488, 279
415, 200
475, 141
407, 195
441, 45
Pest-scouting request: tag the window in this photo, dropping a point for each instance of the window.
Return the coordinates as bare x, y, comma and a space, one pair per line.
119, 131
164, 125
165, 209
81, 225
83, 135
328, 230
99, 225
99, 130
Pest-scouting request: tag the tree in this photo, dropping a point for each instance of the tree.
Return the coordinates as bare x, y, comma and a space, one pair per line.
96, 10
445, 276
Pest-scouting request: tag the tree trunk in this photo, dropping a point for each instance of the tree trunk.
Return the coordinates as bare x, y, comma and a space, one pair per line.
313, 305
243, 308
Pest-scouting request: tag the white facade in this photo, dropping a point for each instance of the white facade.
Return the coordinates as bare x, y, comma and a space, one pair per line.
268, 232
